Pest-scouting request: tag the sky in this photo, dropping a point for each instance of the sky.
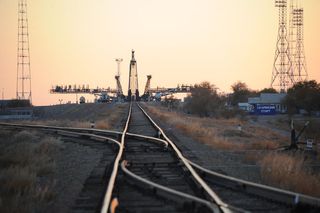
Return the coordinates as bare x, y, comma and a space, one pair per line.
176, 41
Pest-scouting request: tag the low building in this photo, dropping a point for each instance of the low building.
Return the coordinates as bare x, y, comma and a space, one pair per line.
4, 104
244, 106
16, 114
267, 104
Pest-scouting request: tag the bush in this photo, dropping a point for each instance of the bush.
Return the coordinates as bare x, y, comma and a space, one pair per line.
204, 100
303, 95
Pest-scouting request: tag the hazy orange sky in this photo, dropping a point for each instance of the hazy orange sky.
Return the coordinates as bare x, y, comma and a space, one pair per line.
176, 41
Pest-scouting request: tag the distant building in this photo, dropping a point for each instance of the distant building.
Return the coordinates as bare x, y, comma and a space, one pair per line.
244, 106
8, 111
4, 104
16, 114
268, 103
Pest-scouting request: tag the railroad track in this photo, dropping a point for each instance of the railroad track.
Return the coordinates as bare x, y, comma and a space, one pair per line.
148, 173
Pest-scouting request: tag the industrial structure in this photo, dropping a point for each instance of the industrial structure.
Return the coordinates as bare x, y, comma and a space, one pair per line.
117, 77
23, 86
108, 94
289, 64
133, 90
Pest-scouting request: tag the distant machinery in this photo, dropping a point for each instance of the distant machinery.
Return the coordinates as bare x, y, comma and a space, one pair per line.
117, 77
23, 87
102, 97
133, 90
290, 61
84, 89
82, 100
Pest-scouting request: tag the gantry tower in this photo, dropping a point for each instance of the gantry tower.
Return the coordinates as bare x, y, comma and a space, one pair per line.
282, 76
133, 90
117, 77
23, 87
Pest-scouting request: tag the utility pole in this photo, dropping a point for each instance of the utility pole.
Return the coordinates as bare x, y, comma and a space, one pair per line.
2, 93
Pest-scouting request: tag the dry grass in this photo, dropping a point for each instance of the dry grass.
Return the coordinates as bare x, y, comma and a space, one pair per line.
24, 160
251, 158
221, 133
103, 119
288, 172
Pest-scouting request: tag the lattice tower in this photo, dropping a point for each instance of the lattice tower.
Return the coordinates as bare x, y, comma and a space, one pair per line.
299, 63
23, 87
292, 35
282, 77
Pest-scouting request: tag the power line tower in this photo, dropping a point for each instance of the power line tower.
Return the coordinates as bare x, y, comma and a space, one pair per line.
299, 58
282, 76
292, 34
23, 89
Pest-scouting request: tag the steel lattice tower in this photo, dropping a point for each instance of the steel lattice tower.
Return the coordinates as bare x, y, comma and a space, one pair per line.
282, 77
292, 34
23, 89
299, 59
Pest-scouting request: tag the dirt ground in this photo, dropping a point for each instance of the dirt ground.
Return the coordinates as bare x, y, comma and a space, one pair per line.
43, 173
248, 154
104, 115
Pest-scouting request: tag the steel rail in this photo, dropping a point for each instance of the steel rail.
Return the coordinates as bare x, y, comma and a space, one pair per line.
37, 126
91, 136
153, 139
279, 195
108, 195
210, 205
215, 198
284, 196
90, 130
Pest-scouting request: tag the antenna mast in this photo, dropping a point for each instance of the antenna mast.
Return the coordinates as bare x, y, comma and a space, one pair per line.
23, 87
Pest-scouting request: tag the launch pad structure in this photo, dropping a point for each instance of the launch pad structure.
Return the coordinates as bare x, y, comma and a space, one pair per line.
117, 94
